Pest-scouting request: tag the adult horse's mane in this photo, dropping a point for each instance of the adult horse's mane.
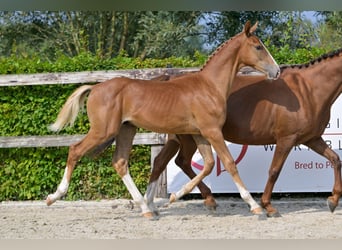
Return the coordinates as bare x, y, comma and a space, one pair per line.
312, 62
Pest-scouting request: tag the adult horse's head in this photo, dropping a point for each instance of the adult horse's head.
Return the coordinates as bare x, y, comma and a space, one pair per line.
254, 53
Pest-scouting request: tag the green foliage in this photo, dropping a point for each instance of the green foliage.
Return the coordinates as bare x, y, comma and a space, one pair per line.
162, 34
330, 30
286, 55
103, 33
85, 61
33, 173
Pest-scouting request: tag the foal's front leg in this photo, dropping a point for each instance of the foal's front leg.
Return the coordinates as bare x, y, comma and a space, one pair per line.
216, 139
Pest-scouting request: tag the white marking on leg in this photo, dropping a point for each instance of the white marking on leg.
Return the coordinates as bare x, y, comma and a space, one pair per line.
181, 192
135, 193
62, 188
246, 196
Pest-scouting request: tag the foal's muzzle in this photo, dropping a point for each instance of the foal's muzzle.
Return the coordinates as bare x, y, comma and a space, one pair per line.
273, 72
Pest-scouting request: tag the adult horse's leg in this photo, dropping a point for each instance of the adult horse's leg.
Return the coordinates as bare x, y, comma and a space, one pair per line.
320, 147
124, 141
215, 138
159, 165
283, 148
187, 148
183, 160
205, 150
76, 151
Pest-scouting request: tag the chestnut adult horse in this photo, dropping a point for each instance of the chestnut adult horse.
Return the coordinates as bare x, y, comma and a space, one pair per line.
192, 104
292, 110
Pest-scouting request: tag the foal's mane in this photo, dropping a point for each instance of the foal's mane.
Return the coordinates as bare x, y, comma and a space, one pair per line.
216, 51
312, 62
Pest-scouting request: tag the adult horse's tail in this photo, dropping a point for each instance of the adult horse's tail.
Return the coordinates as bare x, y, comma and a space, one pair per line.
68, 114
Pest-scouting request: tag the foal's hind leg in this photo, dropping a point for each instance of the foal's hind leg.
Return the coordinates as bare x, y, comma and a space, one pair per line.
320, 147
124, 141
76, 151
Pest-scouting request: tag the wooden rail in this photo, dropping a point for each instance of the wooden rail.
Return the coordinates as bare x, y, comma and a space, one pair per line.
86, 76
67, 140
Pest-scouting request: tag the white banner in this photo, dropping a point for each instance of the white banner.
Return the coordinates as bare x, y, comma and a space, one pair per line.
303, 170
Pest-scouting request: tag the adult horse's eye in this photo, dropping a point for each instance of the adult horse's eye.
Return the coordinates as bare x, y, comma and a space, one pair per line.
259, 47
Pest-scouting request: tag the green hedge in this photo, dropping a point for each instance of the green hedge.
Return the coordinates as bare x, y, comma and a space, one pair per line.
33, 173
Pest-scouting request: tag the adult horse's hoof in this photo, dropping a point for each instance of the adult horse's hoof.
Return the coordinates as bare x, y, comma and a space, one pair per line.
274, 214
332, 205
210, 203
271, 212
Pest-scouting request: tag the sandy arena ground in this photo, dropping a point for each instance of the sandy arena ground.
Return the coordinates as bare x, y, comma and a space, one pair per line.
302, 218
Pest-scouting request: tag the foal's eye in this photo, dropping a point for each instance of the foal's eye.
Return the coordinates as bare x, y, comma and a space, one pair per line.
258, 47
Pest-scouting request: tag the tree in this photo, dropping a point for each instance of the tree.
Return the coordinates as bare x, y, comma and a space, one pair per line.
330, 30
163, 34
22, 33
223, 25
278, 28
103, 33
293, 30
155, 34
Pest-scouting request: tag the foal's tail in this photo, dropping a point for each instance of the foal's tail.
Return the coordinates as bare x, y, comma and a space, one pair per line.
68, 114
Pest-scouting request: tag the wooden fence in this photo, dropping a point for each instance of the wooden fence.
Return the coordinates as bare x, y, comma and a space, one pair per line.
155, 140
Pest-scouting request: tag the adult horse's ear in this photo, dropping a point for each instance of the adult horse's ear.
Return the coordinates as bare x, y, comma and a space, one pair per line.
248, 29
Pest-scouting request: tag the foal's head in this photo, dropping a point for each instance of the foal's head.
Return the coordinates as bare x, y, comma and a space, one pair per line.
254, 53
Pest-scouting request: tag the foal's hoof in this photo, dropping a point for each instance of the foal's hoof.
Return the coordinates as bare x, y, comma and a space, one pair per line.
332, 205
49, 201
172, 198
149, 215
257, 211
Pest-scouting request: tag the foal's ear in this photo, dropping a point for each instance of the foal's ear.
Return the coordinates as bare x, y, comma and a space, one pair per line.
248, 29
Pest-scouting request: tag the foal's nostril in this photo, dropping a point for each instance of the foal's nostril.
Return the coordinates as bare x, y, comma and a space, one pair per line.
275, 74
